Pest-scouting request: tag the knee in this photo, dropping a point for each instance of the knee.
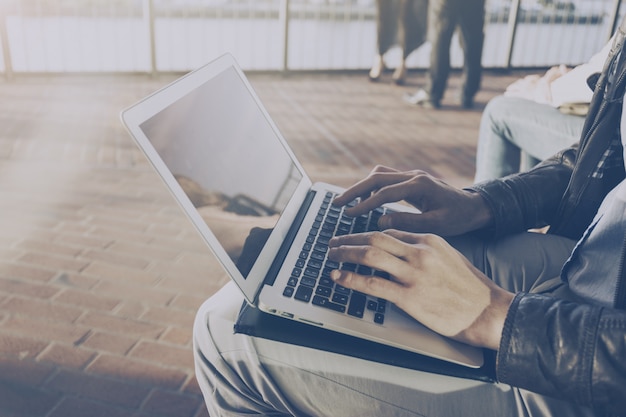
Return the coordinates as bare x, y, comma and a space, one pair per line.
205, 352
497, 113
494, 106
218, 380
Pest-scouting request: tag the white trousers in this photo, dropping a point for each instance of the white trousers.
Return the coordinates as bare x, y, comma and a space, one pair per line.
242, 375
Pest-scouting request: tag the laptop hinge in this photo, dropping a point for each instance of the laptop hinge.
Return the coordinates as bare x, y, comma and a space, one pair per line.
288, 241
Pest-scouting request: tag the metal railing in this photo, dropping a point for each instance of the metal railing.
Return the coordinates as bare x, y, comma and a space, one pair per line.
179, 35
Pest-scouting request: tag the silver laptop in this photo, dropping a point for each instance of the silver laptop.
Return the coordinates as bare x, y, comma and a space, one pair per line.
234, 175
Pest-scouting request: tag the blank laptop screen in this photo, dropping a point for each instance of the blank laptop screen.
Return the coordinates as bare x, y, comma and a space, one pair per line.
227, 159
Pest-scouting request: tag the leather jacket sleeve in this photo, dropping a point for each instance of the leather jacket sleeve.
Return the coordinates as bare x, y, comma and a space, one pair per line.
566, 350
528, 200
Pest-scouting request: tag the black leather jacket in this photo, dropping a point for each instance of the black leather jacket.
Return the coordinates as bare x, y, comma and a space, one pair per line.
563, 349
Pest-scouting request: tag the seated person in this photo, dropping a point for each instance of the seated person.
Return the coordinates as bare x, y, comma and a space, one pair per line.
535, 118
552, 306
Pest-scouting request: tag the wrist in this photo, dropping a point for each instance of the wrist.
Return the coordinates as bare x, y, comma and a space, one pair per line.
487, 329
481, 215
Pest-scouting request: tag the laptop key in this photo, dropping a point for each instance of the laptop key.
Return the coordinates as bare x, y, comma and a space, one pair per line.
303, 293
308, 281
311, 272
320, 248
340, 299
323, 291
342, 290
326, 282
288, 291
326, 303
318, 256
314, 263
357, 305
332, 264
379, 318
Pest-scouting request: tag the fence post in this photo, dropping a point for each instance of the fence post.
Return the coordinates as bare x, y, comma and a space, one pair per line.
148, 16
512, 30
283, 19
6, 51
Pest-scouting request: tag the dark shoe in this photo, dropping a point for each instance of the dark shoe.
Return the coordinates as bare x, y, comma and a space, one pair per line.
422, 98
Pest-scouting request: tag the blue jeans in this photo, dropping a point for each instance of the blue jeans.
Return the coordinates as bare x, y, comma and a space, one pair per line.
514, 127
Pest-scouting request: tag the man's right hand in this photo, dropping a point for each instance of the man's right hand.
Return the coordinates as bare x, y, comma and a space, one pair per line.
445, 210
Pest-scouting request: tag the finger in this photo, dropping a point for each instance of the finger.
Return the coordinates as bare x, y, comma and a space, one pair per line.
379, 189
378, 251
404, 236
395, 245
383, 168
413, 239
364, 187
390, 188
374, 286
425, 222
369, 256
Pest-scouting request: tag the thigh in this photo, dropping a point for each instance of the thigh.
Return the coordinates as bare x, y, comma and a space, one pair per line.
519, 262
538, 129
239, 374
441, 23
471, 21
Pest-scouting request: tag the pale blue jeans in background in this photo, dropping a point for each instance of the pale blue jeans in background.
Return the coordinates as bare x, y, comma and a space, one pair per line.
516, 134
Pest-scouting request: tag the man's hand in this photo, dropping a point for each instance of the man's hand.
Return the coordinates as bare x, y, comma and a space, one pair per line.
430, 281
445, 210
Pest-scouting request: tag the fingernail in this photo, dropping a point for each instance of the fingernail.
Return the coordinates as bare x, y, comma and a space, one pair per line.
335, 274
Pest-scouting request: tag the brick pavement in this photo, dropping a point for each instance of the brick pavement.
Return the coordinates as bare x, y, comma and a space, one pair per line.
100, 272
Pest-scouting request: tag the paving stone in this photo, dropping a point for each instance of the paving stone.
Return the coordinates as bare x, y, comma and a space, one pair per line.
110, 342
66, 356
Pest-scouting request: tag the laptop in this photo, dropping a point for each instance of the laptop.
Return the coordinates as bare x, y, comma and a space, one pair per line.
222, 157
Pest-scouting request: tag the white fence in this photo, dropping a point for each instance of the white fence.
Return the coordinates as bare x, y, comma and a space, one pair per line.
180, 35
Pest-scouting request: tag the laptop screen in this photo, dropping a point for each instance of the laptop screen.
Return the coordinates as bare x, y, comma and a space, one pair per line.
227, 159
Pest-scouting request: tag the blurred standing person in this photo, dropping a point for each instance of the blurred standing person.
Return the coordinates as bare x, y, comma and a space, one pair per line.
398, 22
444, 16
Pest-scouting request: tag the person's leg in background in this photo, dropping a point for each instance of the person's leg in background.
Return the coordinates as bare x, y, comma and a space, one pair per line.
412, 27
510, 126
386, 27
239, 374
471, 20
442, 20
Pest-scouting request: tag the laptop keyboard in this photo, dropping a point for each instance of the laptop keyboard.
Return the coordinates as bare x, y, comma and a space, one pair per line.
310, 278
